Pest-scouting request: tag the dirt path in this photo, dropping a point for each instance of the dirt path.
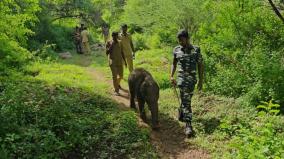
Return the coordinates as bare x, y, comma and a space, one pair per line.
169, 141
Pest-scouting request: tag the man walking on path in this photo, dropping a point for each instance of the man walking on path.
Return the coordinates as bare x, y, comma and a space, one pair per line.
85, 41
116, 59
77, 39
188, 58
128, 47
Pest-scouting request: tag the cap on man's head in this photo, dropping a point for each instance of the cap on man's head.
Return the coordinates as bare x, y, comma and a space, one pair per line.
183, 33
115, 33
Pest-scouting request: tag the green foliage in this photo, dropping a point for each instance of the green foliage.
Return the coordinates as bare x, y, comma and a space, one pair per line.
153, 17
56, 111
45, 53
12, 54
60, 113
269, 107
145, 42
156, 61
16, 17
59, 34
140, 42
241, 41
58, 19
242, 51
262, 140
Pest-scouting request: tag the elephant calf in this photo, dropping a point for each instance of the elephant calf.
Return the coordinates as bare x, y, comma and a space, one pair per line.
143, 86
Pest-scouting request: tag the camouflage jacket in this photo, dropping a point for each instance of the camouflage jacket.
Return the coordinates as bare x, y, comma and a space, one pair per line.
187, 60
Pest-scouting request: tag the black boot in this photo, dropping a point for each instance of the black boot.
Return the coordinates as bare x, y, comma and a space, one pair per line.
189, 130
180, 115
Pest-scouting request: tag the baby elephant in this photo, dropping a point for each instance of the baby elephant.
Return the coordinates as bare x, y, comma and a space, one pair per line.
143, 86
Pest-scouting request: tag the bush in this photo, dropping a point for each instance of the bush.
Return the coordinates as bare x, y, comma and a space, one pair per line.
262, 140
13, 56
242, 42
154, 41
43, 121
48, 33
140, 41
16, 19
239, 53
258, 137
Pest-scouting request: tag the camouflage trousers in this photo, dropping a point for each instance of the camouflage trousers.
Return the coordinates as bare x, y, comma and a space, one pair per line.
185, 112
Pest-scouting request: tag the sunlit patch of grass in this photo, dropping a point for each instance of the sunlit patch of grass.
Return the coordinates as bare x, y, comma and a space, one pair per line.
157, 62
67, 75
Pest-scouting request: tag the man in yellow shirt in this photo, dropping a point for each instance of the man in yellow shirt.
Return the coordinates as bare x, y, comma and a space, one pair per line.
85, 41
127, 46
116, 60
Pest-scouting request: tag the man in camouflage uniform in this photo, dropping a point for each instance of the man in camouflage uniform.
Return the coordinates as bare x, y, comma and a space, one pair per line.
188, 58
77, 39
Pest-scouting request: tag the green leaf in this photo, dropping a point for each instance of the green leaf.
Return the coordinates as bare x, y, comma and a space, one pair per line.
275, 106
261, 107
261, 113
275, 112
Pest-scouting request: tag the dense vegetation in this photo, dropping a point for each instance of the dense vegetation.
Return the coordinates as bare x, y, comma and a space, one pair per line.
50, 109
242, 41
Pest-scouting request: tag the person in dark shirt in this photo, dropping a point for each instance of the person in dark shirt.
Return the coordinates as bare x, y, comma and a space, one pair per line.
189, 60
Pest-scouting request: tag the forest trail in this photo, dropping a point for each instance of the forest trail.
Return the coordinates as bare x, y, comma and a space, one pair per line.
169, 141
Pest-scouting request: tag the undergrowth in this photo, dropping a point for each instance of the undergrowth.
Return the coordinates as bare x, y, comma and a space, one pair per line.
58, 111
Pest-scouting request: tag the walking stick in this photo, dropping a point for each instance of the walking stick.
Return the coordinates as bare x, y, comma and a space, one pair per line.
176, 94
179, 115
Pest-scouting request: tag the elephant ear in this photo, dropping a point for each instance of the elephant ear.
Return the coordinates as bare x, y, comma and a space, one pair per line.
143, 89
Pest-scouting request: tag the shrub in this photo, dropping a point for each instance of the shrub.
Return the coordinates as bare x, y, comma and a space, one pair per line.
140, 41
16, 19
261, 138
43, 121
49, 33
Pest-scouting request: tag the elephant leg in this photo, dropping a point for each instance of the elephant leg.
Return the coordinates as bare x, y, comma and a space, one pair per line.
141, 103
154, 114
132, 96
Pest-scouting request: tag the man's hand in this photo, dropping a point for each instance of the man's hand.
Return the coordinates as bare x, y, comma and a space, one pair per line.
173, 81
109, 47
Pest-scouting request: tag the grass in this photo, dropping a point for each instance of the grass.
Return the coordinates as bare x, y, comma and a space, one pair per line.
57, 110
220, 122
